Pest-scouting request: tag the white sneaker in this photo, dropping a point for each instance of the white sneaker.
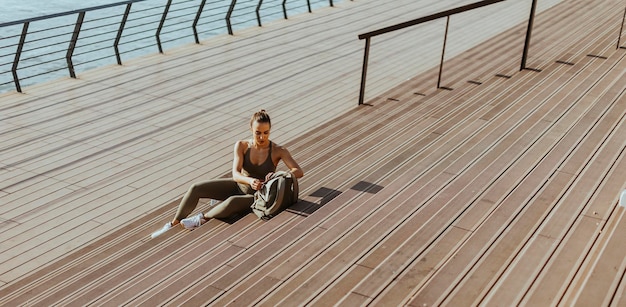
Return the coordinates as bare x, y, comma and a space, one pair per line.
193, 222
162, 230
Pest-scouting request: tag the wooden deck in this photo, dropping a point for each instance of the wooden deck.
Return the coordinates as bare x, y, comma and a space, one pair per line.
502, 191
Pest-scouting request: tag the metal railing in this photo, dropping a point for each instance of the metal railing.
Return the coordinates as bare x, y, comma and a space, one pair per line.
89, 37
444, 14
447, 14
621, 30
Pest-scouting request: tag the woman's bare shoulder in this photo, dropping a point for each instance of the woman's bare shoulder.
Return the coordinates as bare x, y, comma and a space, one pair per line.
279, 149
242, 145
276, 146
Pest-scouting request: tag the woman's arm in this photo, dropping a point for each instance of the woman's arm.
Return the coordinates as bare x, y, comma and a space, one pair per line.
239, 151
293, 166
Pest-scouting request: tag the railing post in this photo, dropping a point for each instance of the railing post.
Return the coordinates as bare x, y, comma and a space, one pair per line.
331, 3
443, 52
364, 72
285, 8
163, 17
528, 34
621, 30
72, 46
119, 33
196, 20
18, 54
258, 16
308, 3
230, 12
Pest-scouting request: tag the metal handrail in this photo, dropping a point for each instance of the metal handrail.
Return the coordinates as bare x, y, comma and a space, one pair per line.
18, 54
621, 30
161, 23
367, 36
133, 32
196, 20
228, 15
447, 14
246, 6
118, 37
70, 49
529, 31
258, 12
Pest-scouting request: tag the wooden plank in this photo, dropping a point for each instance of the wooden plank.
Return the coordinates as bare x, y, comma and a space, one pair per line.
561, 221
569, 251
507, 242
602, 282
577, 251
482, 213
447, 283
429, 261
269, 250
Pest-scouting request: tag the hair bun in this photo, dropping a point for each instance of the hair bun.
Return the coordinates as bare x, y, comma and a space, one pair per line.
261, 117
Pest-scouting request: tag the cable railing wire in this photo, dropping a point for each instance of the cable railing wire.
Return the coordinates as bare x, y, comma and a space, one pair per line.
244, 9
35, 73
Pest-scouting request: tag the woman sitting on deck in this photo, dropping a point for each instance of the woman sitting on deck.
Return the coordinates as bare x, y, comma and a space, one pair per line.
253, 160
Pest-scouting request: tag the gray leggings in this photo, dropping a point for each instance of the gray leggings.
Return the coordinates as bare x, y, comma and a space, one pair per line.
234, 200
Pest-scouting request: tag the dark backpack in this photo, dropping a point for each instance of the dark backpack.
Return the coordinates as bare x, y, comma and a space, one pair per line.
279, 192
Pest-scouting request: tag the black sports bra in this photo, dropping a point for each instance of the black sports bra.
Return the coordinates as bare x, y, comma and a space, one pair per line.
258, 171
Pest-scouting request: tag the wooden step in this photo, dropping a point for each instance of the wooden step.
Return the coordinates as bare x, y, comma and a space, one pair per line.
498, 220
400, 196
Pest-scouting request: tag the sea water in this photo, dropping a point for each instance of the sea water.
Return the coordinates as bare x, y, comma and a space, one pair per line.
24, 9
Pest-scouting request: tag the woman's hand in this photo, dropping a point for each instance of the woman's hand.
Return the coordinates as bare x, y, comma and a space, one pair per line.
238, 176
256, 184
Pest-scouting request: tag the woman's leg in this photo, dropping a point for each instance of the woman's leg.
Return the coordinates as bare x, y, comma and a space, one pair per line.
231, 206
219, 189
